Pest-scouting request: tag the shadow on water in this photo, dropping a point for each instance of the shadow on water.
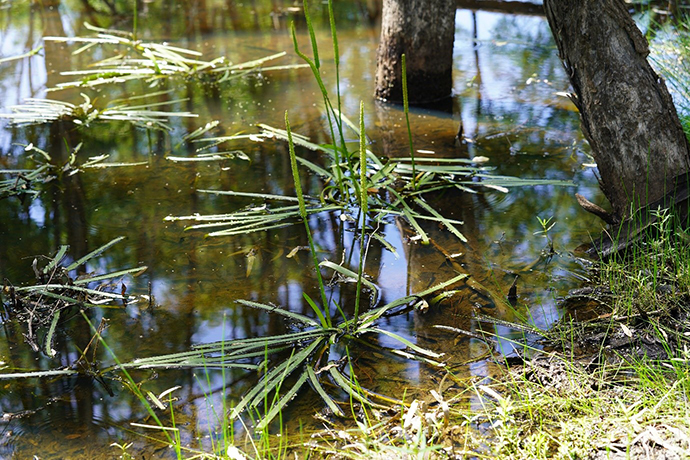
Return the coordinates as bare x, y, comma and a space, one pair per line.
507, 76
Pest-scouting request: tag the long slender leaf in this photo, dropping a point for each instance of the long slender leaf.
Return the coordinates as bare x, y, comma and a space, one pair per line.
324, 320
346, 386
292, 338
242, 231
286, 398
415, 357
385, 244
263, 196
280, 311
56, 260
404, 341
135, 271
93, 253
445, 222
42, 288
316, 385
37, 374
369, 317
49, 337
69, 300
271, 379
349, 273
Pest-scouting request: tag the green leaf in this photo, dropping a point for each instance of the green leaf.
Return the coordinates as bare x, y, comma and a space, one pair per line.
49, 337
324, 321
369, 317
445, 222
316, 385
93, 253
273, 378
404, 341
136, 272
286, 398
349, 274
280, 311
56, 260
37, 374
350, 389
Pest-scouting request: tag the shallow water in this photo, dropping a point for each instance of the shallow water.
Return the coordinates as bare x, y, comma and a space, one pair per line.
506, 84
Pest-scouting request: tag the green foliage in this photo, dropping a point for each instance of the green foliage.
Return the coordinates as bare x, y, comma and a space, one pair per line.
57, 289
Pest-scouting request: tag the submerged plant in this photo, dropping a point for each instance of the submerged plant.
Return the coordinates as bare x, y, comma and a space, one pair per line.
546, 226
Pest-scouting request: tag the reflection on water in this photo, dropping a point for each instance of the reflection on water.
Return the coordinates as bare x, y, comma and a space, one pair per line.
507, 76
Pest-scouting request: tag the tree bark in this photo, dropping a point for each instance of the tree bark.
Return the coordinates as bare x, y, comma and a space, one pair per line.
626, 111
424, 31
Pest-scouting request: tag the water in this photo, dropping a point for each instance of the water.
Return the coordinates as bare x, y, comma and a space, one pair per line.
506, 84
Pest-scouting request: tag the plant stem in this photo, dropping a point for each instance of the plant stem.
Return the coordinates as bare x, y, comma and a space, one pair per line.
362, 206
303, 214
406, 108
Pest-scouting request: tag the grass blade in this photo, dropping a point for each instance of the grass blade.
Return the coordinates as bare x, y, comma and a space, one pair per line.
349, 274
325, 320
404, 341
134, 271
49, 337
369, 317
93, 254
354, 392
272, 379
316, 385
37, 374
286, 398
280, 311
423, 204
56, 260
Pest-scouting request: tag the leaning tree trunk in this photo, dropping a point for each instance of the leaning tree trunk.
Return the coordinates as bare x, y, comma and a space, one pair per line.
626, 111
424, 31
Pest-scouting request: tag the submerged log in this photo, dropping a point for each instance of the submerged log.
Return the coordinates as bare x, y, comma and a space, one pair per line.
626, 111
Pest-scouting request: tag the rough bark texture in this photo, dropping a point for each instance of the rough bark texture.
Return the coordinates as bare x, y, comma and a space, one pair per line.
626, 111
424, 31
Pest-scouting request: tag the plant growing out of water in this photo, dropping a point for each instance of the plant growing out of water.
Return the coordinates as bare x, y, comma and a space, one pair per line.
30, 182
546, 226
348, 177
40, 306
133, 110
153, 62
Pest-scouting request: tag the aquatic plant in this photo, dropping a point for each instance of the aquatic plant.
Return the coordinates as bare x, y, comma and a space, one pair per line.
355, 183
32, 181
153, 62
396, 186
132, 109
59, 287
366, 190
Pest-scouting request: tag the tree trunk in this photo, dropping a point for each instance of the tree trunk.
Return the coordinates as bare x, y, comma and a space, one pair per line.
626, 111
424, 31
